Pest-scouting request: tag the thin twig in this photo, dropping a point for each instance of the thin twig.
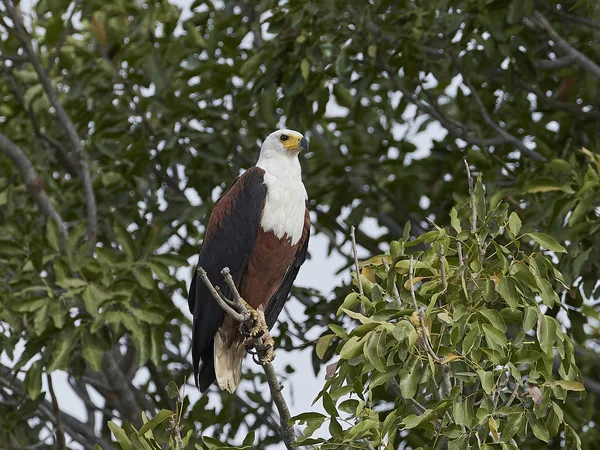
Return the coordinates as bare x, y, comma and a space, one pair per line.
60, 433
35, 186
553, 63
239, 312
395, 292
510, 139
63, 36
443, 268
583, 61
22, 35
472, 196
424, 336
238, 316
357, 269
571, 17
175, 429
460, 254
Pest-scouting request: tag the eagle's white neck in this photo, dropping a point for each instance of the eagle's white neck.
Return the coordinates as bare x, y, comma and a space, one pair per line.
286, 196
280, 166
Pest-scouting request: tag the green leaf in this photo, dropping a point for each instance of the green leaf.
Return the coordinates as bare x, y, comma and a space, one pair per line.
549, 297
514, 223
375, 350
63, 350
52, 235
494, 337
350, 302
159, 418
412, 420
547, 334
172, 390
33, 380
305, 68
352, 347
409, 379
124, 240
506, 288
494, 317
539, 430
547, 242
120, 436
358, 316
92, 350
569, 385
487, 380
514, 424
323, 344
454, 220
143, 275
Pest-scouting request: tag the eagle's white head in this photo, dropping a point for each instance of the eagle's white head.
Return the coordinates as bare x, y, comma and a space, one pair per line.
284, 142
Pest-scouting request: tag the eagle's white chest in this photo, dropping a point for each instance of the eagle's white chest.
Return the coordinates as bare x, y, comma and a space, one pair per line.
284, 207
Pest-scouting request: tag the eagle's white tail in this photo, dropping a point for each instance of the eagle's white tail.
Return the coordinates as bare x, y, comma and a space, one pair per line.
229, 355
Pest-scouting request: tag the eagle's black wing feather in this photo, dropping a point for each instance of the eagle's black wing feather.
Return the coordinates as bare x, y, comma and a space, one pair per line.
229, 239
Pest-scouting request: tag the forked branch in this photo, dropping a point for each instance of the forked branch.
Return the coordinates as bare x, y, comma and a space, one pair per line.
238, 310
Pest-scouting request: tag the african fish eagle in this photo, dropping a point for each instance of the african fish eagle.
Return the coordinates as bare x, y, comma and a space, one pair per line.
259, 228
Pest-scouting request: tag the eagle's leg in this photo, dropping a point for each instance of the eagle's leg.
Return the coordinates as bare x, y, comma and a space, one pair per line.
260, 326
261, 353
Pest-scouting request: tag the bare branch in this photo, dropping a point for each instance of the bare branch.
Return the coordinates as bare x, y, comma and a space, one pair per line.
553, 63
509, 138
395, 292
60, 433
63, 36
238, 316
583, 61
472, 197
356, 268
424, 337
35, 186
131, 409
443, 268
570, 17
22, 35
239, 312
45, 140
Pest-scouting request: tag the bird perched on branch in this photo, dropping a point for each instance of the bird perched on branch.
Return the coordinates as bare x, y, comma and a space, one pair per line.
259, 228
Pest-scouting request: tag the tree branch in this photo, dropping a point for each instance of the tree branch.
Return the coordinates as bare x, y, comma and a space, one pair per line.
236, 308
553, 63
570, 17
583, 61
509, 138
356, 268
131, 409
35, 186
63, 36
22, 35
60, 433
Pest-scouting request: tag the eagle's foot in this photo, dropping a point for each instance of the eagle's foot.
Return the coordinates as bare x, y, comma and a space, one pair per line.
260, 325
265, 352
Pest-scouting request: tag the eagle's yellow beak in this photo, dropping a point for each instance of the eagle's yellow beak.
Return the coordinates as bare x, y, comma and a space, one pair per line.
296, 142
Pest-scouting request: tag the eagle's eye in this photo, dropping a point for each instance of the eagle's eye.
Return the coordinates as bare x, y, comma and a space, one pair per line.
284, 137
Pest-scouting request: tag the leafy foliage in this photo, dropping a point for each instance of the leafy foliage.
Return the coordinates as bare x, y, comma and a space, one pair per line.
170, 106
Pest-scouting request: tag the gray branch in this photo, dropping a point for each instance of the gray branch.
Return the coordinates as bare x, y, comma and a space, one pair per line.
22, 35
35, 186
579, 58
114, 376
553, 63
509, 138
236, 308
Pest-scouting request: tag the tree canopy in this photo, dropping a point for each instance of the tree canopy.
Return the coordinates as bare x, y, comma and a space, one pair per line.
122, 121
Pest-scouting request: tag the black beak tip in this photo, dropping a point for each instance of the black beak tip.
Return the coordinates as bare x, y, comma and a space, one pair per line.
303, 144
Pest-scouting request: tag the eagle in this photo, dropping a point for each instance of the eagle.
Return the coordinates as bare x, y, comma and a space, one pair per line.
259, 228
